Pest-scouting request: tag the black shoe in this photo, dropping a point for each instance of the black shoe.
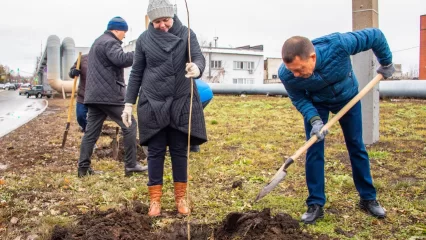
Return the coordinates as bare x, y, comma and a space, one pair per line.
372, 207
194, 148
314, 212
82, 172
136, 169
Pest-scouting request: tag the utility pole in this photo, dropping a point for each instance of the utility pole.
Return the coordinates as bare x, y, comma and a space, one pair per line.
422, 49
210, 61
365, 14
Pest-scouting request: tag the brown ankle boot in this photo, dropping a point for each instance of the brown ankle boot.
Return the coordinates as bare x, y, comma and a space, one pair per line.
155, 193
180, 192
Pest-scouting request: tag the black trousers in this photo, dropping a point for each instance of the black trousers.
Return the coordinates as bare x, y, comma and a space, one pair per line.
97, 113
157, 146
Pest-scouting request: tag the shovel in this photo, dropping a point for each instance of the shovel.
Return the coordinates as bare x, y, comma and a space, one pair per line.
282, 172
64, 139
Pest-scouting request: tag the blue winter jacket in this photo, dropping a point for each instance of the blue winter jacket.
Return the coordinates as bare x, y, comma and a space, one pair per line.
333, 80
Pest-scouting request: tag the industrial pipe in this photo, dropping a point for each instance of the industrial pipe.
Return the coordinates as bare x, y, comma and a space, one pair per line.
68, 56
271, 89
54, 67
397, 88
403, 88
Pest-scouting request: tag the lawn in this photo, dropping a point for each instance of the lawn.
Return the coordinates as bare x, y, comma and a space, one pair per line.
249, 137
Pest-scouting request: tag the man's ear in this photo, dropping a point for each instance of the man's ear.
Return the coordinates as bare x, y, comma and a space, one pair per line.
313, 56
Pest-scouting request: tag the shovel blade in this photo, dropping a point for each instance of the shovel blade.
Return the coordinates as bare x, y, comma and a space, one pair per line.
64, 139
278, 177
274, 182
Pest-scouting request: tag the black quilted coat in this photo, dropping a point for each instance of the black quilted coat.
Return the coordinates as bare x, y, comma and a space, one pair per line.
105, 75
158, 76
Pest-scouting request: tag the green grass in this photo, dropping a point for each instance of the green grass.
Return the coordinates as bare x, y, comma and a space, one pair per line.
249, 138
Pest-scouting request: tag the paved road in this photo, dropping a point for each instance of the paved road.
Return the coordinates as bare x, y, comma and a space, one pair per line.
17, 110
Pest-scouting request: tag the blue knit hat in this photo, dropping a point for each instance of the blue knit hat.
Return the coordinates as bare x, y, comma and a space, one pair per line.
117, 23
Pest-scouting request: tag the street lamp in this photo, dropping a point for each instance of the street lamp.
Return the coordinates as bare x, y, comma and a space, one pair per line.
215, 41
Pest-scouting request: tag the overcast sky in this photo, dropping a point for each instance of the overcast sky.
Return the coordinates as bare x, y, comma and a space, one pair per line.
25, 25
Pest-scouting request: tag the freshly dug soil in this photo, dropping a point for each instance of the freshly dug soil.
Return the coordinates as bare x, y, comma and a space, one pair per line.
134, 223
260, 225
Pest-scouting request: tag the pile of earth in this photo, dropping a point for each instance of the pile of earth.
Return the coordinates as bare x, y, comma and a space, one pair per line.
107, 151
134, 223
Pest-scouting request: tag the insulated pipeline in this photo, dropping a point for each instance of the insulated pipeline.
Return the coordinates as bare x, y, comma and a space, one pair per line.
398, 88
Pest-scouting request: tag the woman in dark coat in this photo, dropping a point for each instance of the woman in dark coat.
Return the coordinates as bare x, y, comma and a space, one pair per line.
160, 75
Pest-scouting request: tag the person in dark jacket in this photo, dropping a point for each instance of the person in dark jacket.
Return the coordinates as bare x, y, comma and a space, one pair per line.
206, 95
81, 108
319, 79
158, 76
104, 95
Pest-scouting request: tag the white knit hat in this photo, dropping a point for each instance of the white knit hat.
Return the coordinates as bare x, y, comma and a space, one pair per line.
159, 9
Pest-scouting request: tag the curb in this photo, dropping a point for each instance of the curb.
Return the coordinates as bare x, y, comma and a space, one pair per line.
46, 103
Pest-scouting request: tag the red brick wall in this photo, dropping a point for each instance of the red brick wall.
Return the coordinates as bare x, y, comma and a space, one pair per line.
422, 62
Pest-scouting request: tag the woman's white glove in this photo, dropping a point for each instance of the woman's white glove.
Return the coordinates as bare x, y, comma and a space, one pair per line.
127, 114
192, 70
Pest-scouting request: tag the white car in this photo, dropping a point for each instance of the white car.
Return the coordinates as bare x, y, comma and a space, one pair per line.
1, 86
9, 86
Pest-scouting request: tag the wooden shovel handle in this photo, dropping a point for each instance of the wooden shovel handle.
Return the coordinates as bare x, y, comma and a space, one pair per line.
339, 115
73, 88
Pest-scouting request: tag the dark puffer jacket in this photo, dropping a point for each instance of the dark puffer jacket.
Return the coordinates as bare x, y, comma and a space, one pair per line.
159, 72
83, 76
105, 74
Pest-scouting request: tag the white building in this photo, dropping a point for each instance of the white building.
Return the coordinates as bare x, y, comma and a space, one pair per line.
271, 70
128, 48
243, 65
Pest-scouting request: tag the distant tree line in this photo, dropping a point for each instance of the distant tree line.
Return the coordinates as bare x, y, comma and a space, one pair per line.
4, 73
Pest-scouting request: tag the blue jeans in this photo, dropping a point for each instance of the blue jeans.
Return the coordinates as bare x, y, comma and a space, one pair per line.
81, 110
351, 124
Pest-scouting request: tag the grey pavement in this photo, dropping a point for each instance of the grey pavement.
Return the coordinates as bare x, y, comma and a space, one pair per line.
17, 110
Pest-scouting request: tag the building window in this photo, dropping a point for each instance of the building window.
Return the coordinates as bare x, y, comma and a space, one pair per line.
216, 64
243, 81
243, 65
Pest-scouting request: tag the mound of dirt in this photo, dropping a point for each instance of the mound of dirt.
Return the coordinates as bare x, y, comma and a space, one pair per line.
134, 223
127, 224
107, 151
260, 225
107, 225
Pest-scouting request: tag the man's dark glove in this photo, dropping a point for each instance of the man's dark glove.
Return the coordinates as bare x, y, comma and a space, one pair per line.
316, 127
74, 73
386, 71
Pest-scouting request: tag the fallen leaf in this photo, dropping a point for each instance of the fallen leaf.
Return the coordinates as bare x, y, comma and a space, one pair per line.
14, 220
67, 181
376, 222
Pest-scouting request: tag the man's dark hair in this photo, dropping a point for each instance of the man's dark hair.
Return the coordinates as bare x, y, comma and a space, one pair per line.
297, 46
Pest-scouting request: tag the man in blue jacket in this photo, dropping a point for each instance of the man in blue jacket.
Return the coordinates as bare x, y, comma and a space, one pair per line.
319, 79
